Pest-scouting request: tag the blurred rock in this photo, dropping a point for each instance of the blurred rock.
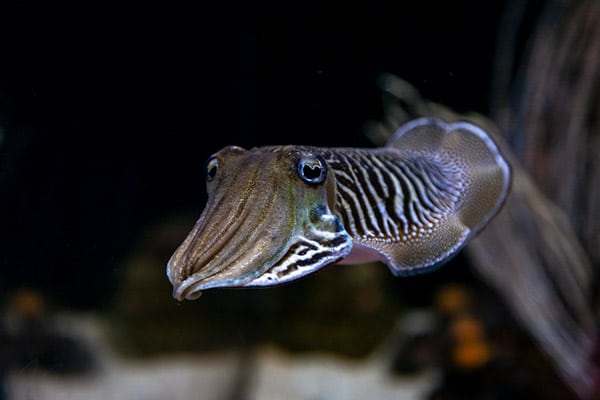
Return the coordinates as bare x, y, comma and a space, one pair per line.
32, 340
343, 309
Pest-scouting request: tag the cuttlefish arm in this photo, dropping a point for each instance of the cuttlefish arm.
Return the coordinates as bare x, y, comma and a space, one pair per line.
275, 214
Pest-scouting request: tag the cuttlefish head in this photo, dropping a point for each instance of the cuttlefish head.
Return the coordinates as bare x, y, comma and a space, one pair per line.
268, 220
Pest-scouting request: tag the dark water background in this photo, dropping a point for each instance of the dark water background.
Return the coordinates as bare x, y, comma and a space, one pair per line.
109, 111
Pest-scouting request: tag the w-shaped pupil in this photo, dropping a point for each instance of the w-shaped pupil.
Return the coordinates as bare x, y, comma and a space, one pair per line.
312, 172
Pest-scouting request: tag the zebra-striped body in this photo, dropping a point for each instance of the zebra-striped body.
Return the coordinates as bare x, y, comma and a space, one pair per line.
278, 213
384, 196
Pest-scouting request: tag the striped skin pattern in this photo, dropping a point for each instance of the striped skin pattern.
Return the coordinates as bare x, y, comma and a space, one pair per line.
275, 214
301, 258
382, 198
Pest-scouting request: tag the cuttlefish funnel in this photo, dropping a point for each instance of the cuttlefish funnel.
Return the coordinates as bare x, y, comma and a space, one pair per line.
267, 221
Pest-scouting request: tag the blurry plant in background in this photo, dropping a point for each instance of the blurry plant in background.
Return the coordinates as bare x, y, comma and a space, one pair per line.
543, 250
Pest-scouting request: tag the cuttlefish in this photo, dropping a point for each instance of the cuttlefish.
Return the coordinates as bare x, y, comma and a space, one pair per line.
277, 213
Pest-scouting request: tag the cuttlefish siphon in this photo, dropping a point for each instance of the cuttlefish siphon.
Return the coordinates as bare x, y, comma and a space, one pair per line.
277, 213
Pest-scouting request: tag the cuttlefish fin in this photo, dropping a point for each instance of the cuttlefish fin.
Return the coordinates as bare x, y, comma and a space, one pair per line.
452, 180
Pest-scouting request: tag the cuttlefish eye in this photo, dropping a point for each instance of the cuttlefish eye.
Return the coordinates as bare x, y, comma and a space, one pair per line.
312, 169
211, 168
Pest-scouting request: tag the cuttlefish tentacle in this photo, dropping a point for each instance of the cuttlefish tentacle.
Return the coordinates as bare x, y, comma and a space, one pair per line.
277, 213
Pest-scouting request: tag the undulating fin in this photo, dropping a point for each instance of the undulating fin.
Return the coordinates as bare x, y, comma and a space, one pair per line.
418, 200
